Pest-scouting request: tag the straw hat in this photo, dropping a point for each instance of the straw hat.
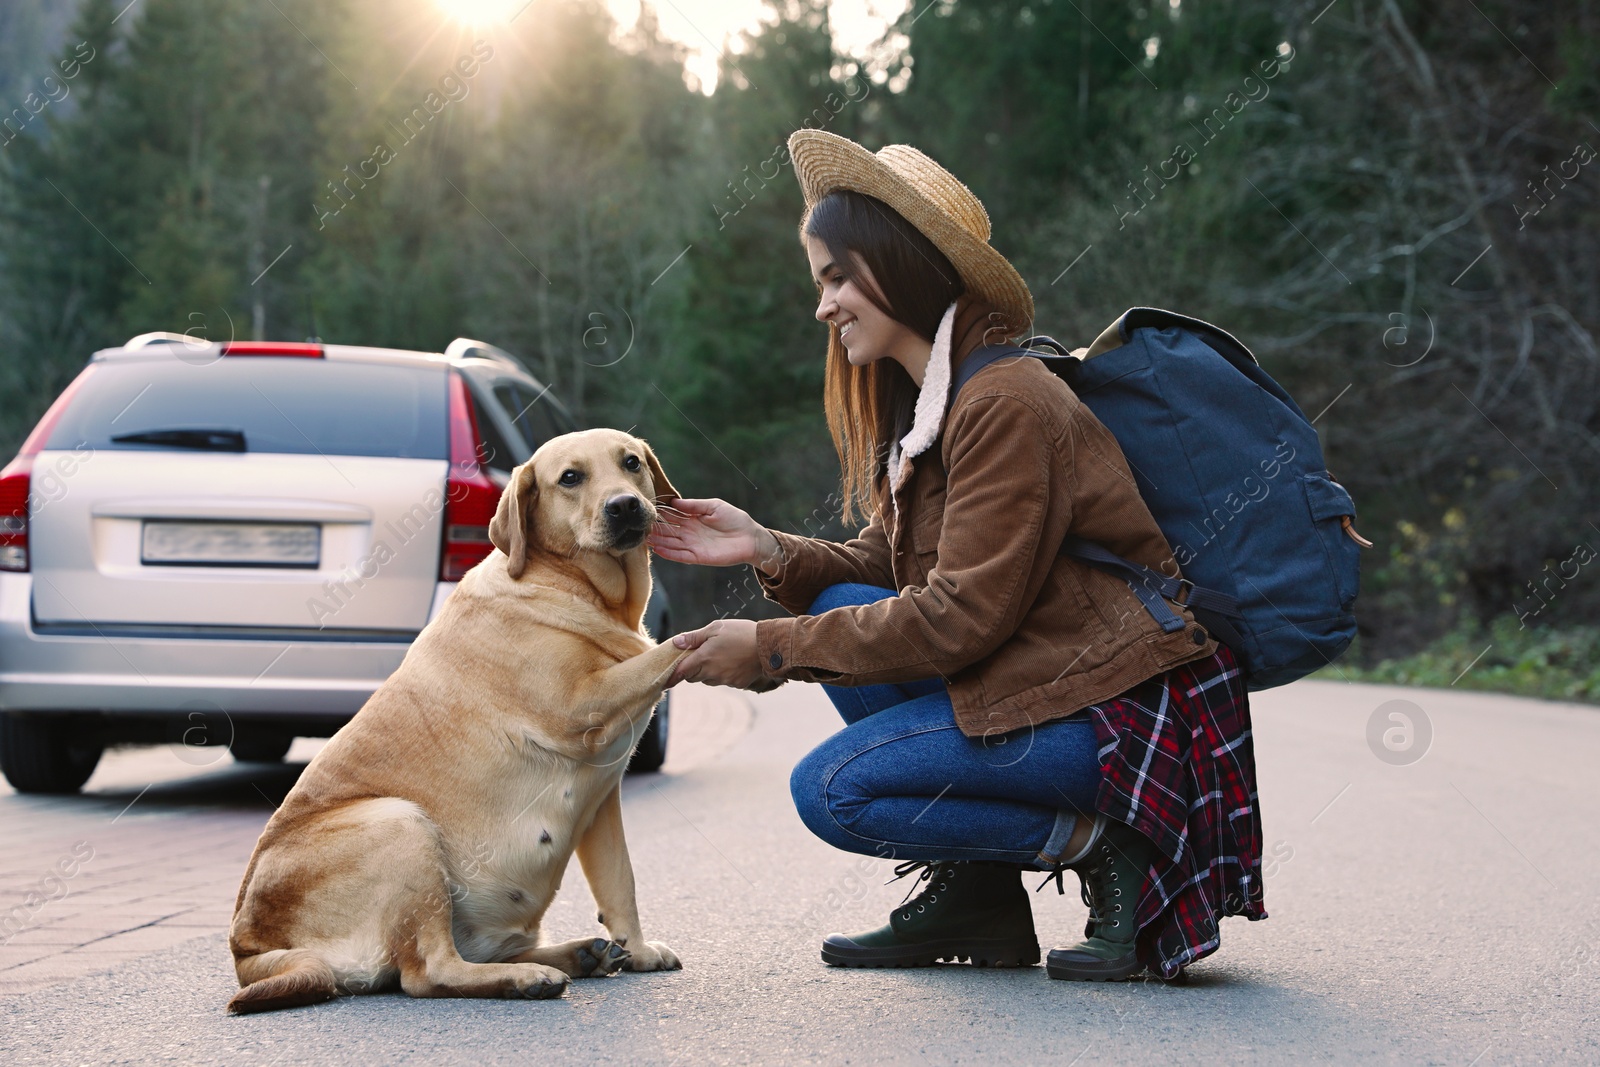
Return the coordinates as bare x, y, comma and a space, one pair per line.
929, 197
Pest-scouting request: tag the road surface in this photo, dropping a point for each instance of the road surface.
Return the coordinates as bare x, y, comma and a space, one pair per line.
1430, 862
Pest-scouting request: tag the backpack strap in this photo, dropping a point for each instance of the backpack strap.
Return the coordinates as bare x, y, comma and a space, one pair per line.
976, 360
1151, 587
1211, 608
1040, 345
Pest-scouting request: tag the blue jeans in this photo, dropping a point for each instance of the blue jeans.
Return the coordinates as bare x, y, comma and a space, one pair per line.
901, 781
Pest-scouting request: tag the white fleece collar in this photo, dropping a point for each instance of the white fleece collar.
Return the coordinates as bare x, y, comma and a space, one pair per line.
928, 417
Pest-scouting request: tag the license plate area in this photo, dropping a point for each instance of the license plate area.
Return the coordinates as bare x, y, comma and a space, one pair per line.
231, 544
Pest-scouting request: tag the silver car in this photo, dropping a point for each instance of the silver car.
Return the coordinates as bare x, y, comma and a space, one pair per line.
234, 544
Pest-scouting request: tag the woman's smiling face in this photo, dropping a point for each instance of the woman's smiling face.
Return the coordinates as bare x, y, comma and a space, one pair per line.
866, 332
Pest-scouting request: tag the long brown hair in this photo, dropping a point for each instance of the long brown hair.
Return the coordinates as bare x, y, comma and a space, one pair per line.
869, 407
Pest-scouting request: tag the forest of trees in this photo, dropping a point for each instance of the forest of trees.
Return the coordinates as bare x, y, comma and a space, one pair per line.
1393, 202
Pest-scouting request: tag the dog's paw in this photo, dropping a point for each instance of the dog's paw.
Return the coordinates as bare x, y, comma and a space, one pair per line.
597, 958
538, 983
653, 956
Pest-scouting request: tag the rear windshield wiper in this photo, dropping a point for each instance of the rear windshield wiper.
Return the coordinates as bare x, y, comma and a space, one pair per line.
205, 440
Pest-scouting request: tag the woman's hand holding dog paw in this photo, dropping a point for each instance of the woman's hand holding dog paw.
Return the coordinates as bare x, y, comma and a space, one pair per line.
722, 653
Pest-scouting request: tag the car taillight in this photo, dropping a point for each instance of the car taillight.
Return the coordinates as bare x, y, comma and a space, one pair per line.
16, 481
471, 497
272, 348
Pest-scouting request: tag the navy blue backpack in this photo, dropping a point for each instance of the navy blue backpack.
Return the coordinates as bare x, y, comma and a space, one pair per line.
1233, 473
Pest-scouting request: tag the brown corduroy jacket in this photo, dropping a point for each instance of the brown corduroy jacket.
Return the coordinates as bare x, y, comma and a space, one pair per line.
1019, 633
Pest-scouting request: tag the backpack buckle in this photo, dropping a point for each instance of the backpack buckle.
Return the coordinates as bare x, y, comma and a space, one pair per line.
1185, 591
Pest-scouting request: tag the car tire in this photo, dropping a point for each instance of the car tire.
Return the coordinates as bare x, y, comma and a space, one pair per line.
260, 746
39, 754
651, 751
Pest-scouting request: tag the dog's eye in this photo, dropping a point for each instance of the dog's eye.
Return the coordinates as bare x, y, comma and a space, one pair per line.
631, 462
570, 477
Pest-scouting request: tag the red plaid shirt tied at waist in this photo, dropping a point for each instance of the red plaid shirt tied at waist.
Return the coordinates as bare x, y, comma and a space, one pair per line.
1179, 767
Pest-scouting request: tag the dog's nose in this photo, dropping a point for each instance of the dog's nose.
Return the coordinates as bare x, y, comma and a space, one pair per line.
624, 508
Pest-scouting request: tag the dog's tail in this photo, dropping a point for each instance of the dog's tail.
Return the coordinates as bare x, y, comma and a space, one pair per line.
288, 978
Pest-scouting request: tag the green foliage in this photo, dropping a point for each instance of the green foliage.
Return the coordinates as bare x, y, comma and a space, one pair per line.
1316, 187
1425, 573
126, 215
1555, 664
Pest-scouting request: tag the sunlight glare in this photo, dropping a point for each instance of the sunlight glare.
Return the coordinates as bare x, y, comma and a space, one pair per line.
480, 13
708, 27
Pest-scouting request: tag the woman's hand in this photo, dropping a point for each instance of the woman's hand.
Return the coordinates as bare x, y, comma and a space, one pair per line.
724, 653
712, 533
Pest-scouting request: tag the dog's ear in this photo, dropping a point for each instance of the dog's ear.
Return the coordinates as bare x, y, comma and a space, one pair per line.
509, 527
664, 489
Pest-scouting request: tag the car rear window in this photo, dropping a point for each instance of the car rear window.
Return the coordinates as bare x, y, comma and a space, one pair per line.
493, 449
534, 412
279, 404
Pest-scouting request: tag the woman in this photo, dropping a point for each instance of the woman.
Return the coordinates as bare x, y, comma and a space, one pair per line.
1006, 707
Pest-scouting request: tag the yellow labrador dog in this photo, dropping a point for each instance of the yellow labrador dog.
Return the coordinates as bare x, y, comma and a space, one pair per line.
423, 844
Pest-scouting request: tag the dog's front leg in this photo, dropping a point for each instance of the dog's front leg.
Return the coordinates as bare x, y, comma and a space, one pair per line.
611, 702
603, 851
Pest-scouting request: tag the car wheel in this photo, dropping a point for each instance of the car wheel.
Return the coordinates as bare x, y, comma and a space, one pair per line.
260, 746
39, 754
651, 752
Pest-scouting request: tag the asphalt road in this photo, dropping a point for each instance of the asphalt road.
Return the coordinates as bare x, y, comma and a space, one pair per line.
1423, 910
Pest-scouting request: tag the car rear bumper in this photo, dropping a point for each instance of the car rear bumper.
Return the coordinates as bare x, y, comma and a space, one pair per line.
253, 672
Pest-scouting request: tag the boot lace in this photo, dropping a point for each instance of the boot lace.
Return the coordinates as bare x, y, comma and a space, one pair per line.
933, 872
1101, 897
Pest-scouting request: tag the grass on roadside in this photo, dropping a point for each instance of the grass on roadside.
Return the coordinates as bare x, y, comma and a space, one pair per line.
1505, 658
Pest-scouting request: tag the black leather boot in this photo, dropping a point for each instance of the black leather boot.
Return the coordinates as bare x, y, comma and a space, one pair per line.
1112, 875
968, 911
